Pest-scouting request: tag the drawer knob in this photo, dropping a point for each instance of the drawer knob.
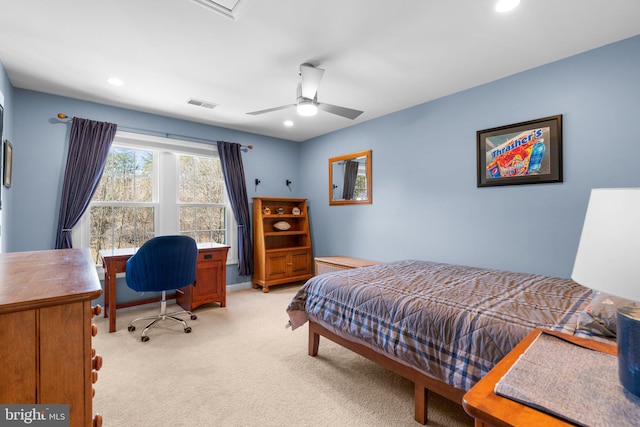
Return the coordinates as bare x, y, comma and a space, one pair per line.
94, 377
94, 330
96, 310
97, 362
97, 420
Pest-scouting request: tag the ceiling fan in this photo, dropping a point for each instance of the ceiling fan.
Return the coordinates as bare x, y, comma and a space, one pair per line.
307, 97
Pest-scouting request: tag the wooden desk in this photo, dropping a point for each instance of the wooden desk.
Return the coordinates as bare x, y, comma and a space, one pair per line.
211, 275
46, 331
489, 409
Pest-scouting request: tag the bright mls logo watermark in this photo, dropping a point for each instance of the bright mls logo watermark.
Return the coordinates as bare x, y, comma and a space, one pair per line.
34, 415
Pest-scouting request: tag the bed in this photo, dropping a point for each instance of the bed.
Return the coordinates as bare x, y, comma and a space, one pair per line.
442, 326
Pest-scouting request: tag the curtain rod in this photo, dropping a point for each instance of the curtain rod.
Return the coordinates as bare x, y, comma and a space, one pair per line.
244, 148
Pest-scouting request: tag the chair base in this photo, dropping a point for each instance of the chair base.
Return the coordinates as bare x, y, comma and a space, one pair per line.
163, 315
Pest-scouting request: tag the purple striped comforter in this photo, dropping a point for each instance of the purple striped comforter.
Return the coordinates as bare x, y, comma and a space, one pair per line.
449, 321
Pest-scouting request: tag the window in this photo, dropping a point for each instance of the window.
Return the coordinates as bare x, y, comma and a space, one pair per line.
155, 186
122, 212
201, 198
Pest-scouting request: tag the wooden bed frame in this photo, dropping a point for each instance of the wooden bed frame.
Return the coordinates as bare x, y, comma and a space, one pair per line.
422, 382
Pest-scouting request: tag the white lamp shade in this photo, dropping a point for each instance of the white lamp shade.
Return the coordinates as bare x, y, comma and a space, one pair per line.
608, 257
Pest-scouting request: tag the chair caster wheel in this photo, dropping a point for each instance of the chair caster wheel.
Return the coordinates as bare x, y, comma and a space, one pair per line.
187, 330
144, 339
194, 317
131, 328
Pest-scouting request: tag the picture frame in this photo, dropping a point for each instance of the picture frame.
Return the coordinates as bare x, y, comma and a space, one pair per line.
1, 130
521, 153
8, 164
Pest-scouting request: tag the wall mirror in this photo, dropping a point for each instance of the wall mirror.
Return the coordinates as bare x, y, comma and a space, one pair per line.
350, 179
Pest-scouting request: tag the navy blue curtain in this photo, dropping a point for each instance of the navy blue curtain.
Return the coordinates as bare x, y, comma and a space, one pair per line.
350, 177
231, 158
89, 144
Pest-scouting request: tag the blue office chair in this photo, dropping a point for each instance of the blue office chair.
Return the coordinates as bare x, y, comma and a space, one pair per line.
163, 263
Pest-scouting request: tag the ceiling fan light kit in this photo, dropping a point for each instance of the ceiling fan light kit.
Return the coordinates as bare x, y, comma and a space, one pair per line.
307, 97
307, 108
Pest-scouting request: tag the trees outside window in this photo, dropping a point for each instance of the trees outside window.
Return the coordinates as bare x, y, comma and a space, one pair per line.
147, 191
201, 199
122, 212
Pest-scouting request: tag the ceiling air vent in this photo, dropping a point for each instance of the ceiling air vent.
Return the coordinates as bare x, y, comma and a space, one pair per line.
203, 104
228, 8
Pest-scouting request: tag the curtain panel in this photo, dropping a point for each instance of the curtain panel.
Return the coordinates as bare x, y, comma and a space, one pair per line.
231, 159
350, 177
89, 144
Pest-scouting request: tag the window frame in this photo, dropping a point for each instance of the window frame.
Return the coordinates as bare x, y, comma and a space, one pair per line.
165, 180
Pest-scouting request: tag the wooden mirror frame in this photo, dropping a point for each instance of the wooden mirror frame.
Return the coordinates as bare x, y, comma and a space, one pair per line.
367, 155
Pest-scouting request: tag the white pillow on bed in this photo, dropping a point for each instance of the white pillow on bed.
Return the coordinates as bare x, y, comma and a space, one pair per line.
599, 317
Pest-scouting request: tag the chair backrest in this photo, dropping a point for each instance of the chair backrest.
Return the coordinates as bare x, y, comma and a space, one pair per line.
163, 263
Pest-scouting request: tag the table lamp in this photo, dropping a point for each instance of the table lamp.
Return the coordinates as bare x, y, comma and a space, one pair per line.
608, 260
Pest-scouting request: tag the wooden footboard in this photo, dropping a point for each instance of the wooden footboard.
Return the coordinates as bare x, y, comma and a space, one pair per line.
422, 382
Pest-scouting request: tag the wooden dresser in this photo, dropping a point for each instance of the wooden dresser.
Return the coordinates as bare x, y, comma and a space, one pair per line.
46, 331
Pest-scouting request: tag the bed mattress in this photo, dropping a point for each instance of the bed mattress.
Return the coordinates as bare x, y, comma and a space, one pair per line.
452, 322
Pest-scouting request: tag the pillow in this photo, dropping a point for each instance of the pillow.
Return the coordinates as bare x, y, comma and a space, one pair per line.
599, 317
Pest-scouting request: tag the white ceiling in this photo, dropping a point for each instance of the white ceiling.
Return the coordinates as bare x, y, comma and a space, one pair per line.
379, 56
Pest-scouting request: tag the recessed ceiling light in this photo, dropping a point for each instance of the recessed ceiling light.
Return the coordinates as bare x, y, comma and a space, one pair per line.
288, 123
506, 5
115, 81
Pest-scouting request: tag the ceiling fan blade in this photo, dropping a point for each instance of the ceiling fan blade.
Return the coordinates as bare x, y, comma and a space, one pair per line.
340, 111
268, 110
311, 77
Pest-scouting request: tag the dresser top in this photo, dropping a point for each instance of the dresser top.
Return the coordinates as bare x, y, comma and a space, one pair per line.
38, 279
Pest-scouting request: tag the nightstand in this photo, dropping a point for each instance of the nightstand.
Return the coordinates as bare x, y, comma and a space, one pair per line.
490, 409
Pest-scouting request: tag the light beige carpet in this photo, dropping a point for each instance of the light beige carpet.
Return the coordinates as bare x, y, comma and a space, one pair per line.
241, 367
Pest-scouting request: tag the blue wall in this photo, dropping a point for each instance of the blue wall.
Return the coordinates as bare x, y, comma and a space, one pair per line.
40, 141
40, 144
425, 201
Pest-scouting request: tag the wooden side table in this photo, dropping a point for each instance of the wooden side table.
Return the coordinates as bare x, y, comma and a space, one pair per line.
489, 409
336, 263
